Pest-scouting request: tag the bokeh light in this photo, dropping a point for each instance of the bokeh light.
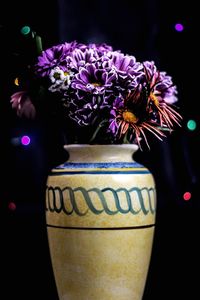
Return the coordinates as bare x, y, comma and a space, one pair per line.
25, 30
12, 206
25, 140
16, 81
187, 196
179, 27
191, 125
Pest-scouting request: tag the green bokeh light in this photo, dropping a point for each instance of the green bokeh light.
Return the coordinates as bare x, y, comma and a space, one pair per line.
191, 125
25, 30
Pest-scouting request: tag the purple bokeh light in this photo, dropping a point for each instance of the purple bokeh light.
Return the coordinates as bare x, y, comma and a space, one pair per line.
25, 140
179, 27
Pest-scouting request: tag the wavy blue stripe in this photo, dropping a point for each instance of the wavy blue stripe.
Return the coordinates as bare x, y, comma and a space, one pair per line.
100, 165
66, 200
98, 172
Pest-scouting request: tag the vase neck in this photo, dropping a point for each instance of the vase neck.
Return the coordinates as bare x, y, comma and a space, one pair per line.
101, 153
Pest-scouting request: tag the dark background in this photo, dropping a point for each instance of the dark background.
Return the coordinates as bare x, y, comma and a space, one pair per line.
141, 28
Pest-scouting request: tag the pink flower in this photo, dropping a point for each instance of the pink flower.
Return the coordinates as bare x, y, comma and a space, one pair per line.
23, 105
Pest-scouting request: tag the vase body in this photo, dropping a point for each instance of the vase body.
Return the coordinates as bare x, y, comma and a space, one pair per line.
100, 214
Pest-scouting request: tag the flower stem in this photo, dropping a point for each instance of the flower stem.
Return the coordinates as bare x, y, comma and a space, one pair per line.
97, 130
125, 139
38, 42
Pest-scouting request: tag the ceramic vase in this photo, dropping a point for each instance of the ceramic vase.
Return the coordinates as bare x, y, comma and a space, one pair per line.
100, 215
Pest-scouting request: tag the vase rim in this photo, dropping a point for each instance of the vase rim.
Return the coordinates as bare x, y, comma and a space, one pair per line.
131, 146
90, 153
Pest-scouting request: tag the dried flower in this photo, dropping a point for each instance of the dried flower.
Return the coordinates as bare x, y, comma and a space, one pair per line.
104, 96
21, 102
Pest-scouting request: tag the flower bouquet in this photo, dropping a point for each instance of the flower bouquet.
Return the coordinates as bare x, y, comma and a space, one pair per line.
103, 96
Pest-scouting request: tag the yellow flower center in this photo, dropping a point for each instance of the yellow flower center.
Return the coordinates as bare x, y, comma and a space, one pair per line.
96, 84
56, 75
154, 99
129, 117
66, 73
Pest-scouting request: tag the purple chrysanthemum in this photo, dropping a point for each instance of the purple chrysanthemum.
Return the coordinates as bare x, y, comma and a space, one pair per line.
127, 69
160, 83
91, 79
100, 48
165, 89
53, 57
79, 58
125, 64
85, 111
